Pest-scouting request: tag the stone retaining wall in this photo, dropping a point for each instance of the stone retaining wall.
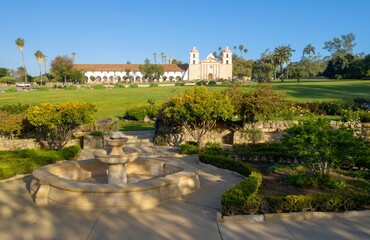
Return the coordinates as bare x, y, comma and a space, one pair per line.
13, 144
268, 132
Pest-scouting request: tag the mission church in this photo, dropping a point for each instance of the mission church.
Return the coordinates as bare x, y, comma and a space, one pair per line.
207, 69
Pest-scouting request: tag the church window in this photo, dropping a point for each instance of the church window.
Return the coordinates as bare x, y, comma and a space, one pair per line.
193, 61
227, 55
193, 55
227, 61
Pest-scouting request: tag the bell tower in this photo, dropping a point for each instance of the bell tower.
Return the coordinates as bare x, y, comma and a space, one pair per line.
194, 56
227, 57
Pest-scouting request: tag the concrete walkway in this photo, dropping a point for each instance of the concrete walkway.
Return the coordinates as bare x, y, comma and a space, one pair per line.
191, 217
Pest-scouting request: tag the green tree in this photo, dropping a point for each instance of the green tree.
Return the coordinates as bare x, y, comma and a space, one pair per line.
263, 68
326, 147
3, 72
241, 47
39, 56
20, 44
62, 67
151, 71
198, 110
282, 55
242, 68
54, 123
344, 44
297, 70
77, 76
308, 50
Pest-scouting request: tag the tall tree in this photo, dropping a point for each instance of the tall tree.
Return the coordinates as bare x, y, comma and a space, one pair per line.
44, 59
282, 55
245, 51
39, 56
62, 67
155, 58
162, 56
241, 47
20, 44
344, 44
308, 50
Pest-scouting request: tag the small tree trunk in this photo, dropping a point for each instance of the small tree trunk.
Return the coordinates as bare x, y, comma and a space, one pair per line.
25, 70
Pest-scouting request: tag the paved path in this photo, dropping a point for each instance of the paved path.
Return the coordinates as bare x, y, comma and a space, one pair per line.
190, 217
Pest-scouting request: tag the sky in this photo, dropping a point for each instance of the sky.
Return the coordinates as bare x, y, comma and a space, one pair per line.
117, 31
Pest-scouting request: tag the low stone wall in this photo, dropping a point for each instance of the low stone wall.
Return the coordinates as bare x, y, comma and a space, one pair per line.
13, 144
268, 132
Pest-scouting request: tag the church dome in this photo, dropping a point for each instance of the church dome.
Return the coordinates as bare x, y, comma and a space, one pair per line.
194, 50
227, 50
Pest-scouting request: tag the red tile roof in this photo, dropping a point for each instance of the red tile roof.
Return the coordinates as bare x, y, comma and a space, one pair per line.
132, 67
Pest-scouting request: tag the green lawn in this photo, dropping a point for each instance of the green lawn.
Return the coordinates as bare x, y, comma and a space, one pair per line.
113, 102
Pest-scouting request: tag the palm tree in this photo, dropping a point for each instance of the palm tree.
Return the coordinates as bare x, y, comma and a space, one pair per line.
162, 55
245, 51
74, 57
241, 47
44, 59
282, 54
308, 50
155, 58
39, 56
20, 44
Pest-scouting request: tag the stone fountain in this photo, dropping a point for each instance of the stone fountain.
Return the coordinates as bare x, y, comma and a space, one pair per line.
119, 180
117, 159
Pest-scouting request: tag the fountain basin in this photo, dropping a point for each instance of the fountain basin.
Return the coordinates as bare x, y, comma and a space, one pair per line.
102, 156
63, 184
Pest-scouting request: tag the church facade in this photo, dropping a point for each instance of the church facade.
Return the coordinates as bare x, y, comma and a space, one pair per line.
207, 69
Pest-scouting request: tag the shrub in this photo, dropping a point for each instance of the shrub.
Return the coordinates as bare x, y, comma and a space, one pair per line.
212, 83
71, 87
180, 84
364, 116
349, 115
119, 86
133, 85
201, 83
188, 148
70, 152
10, 90
242, 199
15, 108
10, 124
97, 134
226, 163
136, 113
99, 86
153, 85
41, 88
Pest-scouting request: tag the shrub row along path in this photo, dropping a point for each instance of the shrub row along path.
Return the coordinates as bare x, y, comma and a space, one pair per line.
190, 217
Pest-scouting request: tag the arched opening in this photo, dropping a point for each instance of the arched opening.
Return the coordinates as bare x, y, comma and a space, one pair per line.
210, 76
105, 79
98, 79
227, 55
178, 78
132, 79
111, 78
171, 78
193, 61
227, 61
164, 78
118, 79
86, 79
138, 79
92, 78
194, 55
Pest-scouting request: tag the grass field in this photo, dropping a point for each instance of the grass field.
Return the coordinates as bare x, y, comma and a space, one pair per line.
113, 102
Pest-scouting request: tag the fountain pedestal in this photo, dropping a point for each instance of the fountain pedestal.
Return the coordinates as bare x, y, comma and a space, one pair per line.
116, 159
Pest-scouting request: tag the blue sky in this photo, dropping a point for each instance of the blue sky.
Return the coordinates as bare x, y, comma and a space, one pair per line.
114, 31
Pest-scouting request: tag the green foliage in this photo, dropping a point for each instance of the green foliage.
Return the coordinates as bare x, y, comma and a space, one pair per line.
349, 115
15, 108
241, 67
198, 110
153, 85
212, 83
152, 71
97, 133
241, 198
136, 113
322, 146
62, 67
99, 86
225, 163
7, 79
119, 86
133, 85
3, 72
180, 83
70, 152
54, 123
10, 124
41, 88
259, 151
189, 148
10, 90
71, 87
25, 161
